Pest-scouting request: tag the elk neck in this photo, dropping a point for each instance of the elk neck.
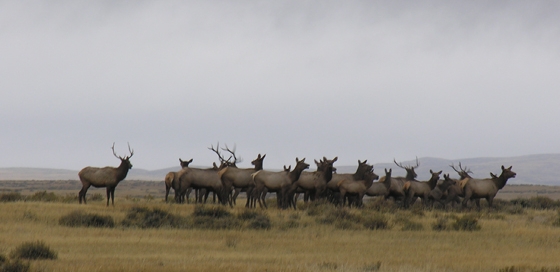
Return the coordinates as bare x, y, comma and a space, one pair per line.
122, 170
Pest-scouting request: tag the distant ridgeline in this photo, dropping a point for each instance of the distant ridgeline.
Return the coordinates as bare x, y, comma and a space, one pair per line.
530, 169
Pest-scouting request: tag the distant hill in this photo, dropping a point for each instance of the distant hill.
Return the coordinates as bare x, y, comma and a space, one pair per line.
531, 169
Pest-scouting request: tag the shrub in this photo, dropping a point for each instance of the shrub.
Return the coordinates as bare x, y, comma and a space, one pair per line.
33, 251
14, 266
141, 217
248, 215
538, 202
378, 221
410, 225
467, 223
10, 197
96, 197
3, 259
556, 221
440, 224
43, 196
338, 215
262, 221
211, 211
81, 219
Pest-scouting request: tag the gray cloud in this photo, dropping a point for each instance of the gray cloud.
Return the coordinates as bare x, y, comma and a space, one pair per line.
358, 80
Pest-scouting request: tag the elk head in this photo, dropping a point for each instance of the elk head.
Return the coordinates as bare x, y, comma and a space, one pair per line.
410, 173
125, 162
185, 163
507, 173
464, 173
258, 161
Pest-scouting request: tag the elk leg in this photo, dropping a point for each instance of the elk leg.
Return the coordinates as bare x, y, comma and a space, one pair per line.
167, 188
108, 195
82, 193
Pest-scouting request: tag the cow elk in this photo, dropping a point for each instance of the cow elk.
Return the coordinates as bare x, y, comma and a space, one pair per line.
279, 182
108, 177
240, 179
170, 178
356, 188
486, 188
381, 188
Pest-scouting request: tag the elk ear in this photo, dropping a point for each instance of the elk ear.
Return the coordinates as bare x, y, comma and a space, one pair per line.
510, 167
335, 159
503, 168
316, 162
431, 171
190, 161
439, 173
181, 161
263, 156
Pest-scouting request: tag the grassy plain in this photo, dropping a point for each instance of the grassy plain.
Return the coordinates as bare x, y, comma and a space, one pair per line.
525, 241
518, 239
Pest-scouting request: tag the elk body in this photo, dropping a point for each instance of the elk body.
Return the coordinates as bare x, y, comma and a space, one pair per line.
240, 179
381, 188
198, 179
332, 185
313, 183
108, 177
170, 178
486, 188
356, 188
279, 182
422, 189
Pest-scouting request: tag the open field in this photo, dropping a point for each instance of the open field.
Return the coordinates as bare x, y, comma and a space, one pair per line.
313, 238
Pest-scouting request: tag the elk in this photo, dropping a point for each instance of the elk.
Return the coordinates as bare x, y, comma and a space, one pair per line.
397, 183
381, 188
314, 183
455, 190
422, 189
279, 182
332, 185
440, 190
486, 188
207, 179
170, 178
108, 177
240, 179
357, 188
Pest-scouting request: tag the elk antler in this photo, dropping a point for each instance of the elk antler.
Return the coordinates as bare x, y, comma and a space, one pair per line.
466, 170
232, 152
121, 158
407, 167
217, 151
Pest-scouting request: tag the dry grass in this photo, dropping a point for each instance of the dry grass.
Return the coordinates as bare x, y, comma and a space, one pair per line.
296, 241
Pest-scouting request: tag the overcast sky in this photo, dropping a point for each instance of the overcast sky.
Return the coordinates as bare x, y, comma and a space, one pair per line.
354, 79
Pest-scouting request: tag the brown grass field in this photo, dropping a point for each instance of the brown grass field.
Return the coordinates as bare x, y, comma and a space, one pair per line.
509, 239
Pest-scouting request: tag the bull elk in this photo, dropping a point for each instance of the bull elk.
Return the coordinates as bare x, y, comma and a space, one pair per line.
170, 178
108, 177
397, 183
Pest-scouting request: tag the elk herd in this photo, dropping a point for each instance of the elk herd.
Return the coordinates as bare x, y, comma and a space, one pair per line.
226, 181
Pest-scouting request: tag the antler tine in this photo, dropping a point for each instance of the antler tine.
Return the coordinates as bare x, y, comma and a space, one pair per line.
399, 165
466, 170
232, 152
113, 148
217, 151
453, 166
130, 150
417, 163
